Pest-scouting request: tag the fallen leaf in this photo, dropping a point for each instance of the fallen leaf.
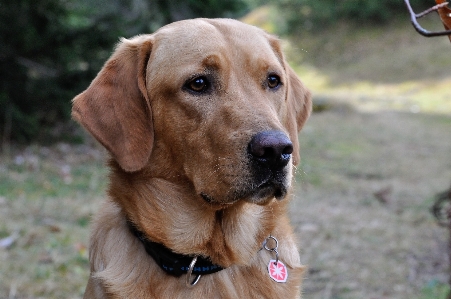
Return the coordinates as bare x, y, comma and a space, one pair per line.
81, 249
54, 228
445, 15
384, 195
45, 258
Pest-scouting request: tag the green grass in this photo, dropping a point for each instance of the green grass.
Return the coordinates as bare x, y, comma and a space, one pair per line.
435, 290
356, 245
47, 198
388, 68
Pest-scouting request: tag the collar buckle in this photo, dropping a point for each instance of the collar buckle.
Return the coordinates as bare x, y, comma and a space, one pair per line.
190, 283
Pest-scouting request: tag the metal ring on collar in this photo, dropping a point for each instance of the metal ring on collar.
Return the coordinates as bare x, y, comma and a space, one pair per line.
265, 245
190, 283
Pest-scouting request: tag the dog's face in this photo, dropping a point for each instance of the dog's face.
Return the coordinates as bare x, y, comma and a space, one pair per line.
208, 102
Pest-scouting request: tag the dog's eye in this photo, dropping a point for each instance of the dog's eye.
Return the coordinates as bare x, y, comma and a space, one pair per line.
198, 84
273, 81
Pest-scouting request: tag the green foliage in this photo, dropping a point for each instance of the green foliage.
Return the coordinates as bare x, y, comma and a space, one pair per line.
45, 59
50, 50
316, 15
435, 290
174, 10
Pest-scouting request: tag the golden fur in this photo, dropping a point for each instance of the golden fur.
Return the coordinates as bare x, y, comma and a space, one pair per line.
169, 146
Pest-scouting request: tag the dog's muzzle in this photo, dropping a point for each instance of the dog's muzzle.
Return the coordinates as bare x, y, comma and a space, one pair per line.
268, 158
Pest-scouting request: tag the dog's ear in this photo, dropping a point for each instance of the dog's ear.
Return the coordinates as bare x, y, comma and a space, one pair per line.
115, 108
299, 102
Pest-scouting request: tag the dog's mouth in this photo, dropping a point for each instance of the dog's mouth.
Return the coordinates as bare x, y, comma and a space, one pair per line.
271, 189
266, 191
261, 193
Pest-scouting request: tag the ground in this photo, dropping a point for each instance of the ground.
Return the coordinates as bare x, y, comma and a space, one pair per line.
372, 162
362, 206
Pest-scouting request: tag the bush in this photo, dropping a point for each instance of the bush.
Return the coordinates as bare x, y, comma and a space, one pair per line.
316, 15
47, 55
50, 50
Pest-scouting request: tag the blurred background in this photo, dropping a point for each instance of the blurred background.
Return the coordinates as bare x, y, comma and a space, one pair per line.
375, 153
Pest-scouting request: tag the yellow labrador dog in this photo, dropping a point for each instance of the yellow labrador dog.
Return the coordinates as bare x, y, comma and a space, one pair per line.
201, 121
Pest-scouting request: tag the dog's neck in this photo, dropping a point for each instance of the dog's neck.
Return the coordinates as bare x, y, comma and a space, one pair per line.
171, 262
172, 215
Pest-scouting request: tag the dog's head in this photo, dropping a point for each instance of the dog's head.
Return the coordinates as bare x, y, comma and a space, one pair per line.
210, 103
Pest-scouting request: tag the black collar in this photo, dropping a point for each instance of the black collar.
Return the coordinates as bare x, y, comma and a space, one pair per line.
173, 263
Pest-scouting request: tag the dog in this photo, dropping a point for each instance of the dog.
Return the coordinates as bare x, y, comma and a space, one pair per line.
201, 121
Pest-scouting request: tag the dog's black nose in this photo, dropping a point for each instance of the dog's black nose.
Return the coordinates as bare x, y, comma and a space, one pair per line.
271, 148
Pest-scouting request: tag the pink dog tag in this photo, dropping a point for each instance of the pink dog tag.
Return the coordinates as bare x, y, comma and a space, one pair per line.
277, 271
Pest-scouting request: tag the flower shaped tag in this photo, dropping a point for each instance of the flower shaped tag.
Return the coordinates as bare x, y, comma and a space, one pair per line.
277, 271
